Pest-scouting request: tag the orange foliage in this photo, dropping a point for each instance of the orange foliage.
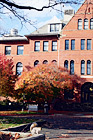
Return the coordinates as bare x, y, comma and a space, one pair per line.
46, 82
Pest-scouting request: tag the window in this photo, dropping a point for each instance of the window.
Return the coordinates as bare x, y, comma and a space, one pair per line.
19, 68
20, 50
72, 67
66, 44
88, 44
7, 50
45, 46
54, 45
37, 46
85, 24
66, 64
36, 63
72, 44
79, 24
54, 61
88, 67
57, 27
54, 27
45, 62
91, 23
82, 44
82, 67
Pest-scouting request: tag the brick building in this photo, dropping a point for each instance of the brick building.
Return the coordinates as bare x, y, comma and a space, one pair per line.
76, 47
67, 42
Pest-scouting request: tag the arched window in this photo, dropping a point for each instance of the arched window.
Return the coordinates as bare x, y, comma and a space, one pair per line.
88, 67
36, 63
45, 62
91, 23
66, 64
79, 24
72, 67
54, 61
85, 24
19, 68
82, 67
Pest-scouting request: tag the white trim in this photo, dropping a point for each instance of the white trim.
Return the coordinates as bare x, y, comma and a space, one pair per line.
12, 38
86, 76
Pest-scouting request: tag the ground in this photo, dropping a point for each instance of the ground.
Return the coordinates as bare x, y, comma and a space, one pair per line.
66, 126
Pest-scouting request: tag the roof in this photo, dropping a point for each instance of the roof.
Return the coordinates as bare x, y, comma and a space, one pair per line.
13, 35
10, 38
45, 29
44, 34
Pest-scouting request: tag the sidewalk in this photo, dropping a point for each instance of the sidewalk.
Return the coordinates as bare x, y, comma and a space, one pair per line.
78, 138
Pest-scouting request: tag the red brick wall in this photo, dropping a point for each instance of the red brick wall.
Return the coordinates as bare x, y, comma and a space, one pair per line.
30, 56
71, 31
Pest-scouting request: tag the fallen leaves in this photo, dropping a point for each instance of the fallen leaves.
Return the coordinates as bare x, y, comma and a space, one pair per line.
4, 136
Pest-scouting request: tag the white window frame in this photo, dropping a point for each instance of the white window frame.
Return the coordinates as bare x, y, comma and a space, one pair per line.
7, 50
54, 45
20, 50
37, 46
45, 46
79, 24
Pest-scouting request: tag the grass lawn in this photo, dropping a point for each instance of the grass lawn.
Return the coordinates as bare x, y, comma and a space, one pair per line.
18, 112
7, 121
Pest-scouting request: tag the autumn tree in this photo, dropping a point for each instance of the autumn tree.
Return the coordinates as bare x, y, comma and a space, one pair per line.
7, 78
47, 82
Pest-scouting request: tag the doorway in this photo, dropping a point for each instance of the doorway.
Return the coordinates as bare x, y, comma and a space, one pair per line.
87, 92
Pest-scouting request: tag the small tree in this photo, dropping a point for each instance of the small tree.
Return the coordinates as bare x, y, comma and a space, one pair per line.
47, 82
7, 78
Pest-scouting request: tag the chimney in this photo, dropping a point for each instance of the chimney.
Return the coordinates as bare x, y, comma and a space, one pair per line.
14, 32
68, 14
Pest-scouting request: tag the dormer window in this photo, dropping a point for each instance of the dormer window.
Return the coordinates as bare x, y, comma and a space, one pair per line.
54, 27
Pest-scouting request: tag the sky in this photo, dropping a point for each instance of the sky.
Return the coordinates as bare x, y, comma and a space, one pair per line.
38, 19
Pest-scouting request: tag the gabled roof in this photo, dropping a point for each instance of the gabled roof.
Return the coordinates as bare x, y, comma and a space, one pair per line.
54, 20
81, 12
45, 29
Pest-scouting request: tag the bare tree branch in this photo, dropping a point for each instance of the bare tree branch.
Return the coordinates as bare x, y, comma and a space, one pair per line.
52, 3
17, 9
10, 4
